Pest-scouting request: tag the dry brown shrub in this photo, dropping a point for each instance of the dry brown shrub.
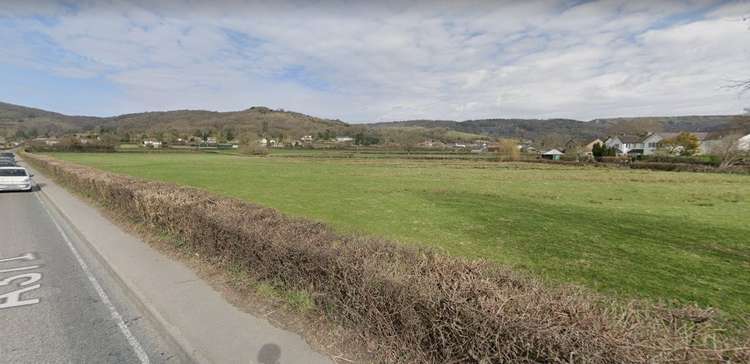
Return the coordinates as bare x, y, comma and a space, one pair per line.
412, 304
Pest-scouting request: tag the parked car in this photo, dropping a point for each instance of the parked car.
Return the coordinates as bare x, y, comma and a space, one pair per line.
7, 163
15, 179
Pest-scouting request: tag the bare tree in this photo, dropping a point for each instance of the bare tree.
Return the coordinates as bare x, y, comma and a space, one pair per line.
730, 151
406, 138
507, 149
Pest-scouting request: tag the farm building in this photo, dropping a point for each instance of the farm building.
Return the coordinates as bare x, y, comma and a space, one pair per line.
552, 154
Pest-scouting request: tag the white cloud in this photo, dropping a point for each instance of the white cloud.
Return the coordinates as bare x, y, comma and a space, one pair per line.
363, 62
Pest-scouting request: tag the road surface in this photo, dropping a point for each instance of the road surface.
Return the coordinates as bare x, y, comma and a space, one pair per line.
58, 303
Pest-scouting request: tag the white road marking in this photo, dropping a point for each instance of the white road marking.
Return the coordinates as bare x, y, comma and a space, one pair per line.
13, 299
27, 256
139, 352
17, 269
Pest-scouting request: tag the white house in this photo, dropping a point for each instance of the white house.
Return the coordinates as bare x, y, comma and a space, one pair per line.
306, 139
648, 145
152, 143
344, 139
744, 143
628, 144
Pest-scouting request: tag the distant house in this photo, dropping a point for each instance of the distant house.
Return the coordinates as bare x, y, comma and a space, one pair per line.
263, 141
306, 139
744, 143
571, 145
709, 143
526, 147
344, 139
630, 144
552, 154
152, 144
588, 149
649, 144
211, 141
89, 136
45, 141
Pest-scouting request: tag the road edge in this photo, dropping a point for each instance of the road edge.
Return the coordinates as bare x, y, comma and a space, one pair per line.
169, 332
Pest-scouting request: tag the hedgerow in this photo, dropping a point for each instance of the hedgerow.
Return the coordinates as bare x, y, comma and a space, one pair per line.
411, 304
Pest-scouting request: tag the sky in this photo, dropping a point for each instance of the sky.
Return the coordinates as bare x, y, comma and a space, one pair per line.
363, 62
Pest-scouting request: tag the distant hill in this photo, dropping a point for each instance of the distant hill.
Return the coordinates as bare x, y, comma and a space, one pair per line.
258, 120
255, 120
508, 128
537, 129
277, 123
14, 117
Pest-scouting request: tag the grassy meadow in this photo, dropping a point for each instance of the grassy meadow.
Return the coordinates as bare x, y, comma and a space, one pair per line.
635, 233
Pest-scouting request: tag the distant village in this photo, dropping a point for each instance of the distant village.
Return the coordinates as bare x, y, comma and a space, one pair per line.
622, 146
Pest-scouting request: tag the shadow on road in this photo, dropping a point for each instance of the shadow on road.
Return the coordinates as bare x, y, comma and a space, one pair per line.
269, 354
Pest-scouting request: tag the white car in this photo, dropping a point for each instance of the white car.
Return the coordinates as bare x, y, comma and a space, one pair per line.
15, 179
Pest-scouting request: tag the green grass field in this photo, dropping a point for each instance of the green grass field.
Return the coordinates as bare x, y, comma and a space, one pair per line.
635, 233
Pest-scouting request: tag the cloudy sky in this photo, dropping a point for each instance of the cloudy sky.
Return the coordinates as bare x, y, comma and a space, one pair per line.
361, 62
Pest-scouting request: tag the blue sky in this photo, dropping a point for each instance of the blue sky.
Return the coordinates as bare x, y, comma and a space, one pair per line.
398, 60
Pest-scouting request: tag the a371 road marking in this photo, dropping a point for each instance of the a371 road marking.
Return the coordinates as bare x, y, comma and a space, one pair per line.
13, 299
134, 344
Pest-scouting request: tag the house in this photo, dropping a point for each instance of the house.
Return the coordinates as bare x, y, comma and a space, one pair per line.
571, 145
744, 143
637, 145
589, 148
552, 154
426, 144
306, 139
152, 144
344, 139
575, 147
263, 141
527, 147
88, 136
709, 143
431, 144
632, 144
46, 141
211, 141
706, 141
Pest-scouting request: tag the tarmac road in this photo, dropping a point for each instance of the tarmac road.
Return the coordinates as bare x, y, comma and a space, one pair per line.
58, 303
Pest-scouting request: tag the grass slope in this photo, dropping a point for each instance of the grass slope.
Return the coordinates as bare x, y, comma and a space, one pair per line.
660, 235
